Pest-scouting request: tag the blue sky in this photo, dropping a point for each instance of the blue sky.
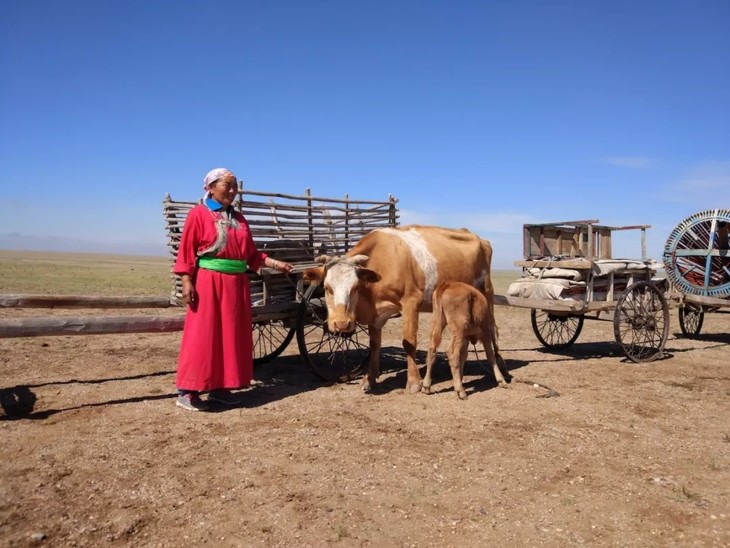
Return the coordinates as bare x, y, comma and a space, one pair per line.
485, 114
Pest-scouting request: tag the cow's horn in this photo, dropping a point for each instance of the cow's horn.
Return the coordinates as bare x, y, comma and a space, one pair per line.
358, 260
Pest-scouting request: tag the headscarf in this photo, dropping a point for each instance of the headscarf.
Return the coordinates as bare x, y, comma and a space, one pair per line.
212, 176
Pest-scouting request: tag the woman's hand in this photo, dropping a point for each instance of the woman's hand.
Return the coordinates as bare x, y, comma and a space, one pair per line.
280, 266
188, 290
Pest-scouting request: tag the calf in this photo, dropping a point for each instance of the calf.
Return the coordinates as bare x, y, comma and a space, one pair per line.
467, 313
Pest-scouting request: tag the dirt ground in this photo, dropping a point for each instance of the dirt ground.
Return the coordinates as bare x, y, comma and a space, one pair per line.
96, 453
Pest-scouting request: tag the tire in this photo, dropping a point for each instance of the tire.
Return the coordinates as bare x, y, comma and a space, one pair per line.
270, 339
334, 357
690, 321
641, 322
555, 331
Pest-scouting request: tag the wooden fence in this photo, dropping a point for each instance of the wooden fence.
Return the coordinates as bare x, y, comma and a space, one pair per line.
292, 228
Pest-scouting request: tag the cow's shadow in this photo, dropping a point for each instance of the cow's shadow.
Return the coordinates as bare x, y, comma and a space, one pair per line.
393, 370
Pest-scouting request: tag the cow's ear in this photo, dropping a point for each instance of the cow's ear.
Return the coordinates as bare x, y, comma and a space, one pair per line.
368, 276
314, 275
322, 259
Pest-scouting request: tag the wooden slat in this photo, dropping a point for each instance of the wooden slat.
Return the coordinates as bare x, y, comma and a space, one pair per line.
541, 304
82, 301
89, 325
577, 264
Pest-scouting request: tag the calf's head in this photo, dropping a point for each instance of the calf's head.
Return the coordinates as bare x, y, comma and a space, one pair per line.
342, 278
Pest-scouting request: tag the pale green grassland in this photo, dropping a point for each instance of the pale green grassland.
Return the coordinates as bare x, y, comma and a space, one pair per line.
43, 273
83, 274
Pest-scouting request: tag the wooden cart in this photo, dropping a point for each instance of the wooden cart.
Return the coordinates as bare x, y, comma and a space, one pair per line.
569, 275
296, 229
697, 261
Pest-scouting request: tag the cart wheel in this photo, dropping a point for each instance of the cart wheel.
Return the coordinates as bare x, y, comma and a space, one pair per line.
641, 322
270, 338
690, 320
335, 357
555, 331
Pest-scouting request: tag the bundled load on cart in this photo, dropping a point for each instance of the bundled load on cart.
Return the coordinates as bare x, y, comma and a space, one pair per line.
569, 274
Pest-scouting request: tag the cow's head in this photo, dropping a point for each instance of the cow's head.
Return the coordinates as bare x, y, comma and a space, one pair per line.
342, 277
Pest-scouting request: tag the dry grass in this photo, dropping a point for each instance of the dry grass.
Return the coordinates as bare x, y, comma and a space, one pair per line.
82, 274
94, 274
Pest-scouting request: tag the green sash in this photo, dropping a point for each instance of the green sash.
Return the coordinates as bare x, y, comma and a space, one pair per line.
227, 266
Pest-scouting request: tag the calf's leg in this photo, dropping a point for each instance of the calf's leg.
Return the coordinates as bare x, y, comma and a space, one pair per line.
457, 355
487, 342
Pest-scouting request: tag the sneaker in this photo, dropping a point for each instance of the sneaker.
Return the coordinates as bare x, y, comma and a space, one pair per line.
225, 396
191, 402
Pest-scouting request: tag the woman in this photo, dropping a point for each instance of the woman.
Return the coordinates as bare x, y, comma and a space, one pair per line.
216, 249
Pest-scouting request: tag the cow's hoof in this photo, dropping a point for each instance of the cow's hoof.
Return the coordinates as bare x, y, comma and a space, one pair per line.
414, 388
366, 387
426, 389
504, 384
461, 394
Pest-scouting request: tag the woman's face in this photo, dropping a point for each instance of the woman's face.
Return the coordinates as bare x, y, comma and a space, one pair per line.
224, 190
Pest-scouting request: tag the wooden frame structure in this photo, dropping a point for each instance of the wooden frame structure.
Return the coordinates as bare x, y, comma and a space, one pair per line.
292, 228
573, 239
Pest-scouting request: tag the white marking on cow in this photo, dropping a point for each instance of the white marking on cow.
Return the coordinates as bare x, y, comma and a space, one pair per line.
342, 277
422, 256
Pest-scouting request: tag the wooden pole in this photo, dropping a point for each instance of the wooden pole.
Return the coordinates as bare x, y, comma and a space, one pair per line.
82, 301
310, 220
347, 223
89, 325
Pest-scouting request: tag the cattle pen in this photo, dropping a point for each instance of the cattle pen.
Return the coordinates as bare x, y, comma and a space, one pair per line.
293, 228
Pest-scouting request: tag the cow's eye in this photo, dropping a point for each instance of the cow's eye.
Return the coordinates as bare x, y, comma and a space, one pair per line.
328, 290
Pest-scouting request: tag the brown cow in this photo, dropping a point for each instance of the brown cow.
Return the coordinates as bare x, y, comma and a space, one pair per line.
393, 271
466, 311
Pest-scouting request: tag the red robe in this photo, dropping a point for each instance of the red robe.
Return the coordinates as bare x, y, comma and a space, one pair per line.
216, 350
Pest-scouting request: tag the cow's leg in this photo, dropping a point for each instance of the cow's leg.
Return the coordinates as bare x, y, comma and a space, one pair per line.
369, 380
489, 348
410, 342
457, 356
489, 294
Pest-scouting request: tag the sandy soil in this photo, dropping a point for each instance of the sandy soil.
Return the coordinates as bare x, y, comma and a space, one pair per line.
96, 453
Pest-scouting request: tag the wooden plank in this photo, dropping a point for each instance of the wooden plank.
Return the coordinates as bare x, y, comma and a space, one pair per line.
577, 264
701, 252
542, 304
89, 325
554, 305
706, 301
82, 301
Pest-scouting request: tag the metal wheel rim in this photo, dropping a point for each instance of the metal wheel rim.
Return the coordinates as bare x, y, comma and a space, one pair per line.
641, 322
555, 332
333, 357
690, 320
270, 339
693, 257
